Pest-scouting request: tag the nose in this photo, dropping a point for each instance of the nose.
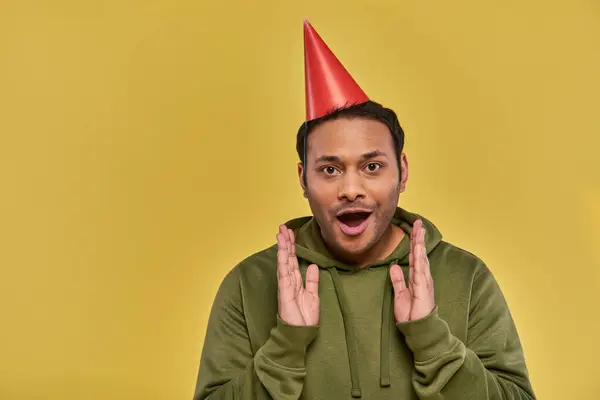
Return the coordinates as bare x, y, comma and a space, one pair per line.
351, 187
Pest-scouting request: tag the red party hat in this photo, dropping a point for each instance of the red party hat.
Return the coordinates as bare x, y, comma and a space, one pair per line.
328, 84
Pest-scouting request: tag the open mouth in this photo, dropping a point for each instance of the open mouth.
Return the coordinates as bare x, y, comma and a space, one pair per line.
353, 219
354, 223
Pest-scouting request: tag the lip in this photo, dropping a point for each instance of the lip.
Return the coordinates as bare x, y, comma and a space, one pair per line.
354, 211
354, 230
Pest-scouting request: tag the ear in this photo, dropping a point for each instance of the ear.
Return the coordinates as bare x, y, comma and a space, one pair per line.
301, 178
404, 172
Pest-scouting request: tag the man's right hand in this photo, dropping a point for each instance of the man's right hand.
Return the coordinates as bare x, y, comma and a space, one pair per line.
297, 305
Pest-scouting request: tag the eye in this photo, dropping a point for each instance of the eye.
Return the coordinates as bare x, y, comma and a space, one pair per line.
372, 167
329, 170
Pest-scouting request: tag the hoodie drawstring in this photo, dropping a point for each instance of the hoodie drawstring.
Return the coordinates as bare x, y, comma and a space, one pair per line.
384, 364
350, 338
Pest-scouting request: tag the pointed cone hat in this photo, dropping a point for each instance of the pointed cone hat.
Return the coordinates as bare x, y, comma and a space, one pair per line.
329, 86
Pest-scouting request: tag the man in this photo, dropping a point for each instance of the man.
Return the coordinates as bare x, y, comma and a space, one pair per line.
363, 299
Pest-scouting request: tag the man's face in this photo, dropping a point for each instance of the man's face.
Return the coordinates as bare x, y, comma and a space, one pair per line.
353, 182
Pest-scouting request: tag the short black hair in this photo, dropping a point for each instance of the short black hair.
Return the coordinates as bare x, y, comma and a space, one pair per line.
369, 109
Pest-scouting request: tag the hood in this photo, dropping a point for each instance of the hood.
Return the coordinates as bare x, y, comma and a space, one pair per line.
311, 248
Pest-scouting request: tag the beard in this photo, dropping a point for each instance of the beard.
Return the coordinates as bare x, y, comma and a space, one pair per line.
352, 249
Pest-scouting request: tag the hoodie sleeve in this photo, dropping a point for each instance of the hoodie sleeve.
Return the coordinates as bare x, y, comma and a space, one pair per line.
490, 365
228, 367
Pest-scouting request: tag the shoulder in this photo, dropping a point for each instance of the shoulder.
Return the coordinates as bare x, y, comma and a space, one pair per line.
251, 287
456, 259
263, 261
453, 263
459, 269
463, 284
257, 268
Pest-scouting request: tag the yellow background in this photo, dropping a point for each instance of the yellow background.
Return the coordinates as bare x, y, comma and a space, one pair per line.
147, 146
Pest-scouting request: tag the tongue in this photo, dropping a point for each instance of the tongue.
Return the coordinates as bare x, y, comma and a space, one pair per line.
353, 220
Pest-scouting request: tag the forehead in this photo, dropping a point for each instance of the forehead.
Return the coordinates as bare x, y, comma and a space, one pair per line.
349, 136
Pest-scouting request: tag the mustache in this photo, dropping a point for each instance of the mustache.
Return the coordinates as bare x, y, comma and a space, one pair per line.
362, 206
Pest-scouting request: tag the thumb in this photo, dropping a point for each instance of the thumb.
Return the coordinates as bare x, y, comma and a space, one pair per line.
312, 279
397, 277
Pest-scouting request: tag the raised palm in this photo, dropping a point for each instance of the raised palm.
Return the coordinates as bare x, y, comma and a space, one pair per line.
298, 305
416, 300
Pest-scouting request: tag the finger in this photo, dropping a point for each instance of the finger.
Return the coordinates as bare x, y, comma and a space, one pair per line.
418, 248
284, 234
293, 262
292, 241
282, 257
312, 280
424, 258
414, 260
402, 295
416, 277
292, 249
421, 267
417, 231
397, 277
283, 261
411, 253
412, 273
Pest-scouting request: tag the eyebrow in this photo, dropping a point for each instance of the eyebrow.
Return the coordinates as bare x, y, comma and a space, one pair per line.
364, 157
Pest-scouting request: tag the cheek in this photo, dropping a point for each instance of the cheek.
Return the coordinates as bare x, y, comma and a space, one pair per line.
393, 196
380, 192
318, 203
323, 195
386, 196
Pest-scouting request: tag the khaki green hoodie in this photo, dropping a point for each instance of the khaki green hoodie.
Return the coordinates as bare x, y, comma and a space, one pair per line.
467, 348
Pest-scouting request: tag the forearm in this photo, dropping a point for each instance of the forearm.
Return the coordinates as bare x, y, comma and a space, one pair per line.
444, 368
244, 385
254, 382
460, 374
276, 371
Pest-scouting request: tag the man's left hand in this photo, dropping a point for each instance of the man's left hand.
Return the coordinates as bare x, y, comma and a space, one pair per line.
417, 300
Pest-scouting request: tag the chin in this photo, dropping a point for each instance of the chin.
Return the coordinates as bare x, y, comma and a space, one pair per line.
355, 245
355, 251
